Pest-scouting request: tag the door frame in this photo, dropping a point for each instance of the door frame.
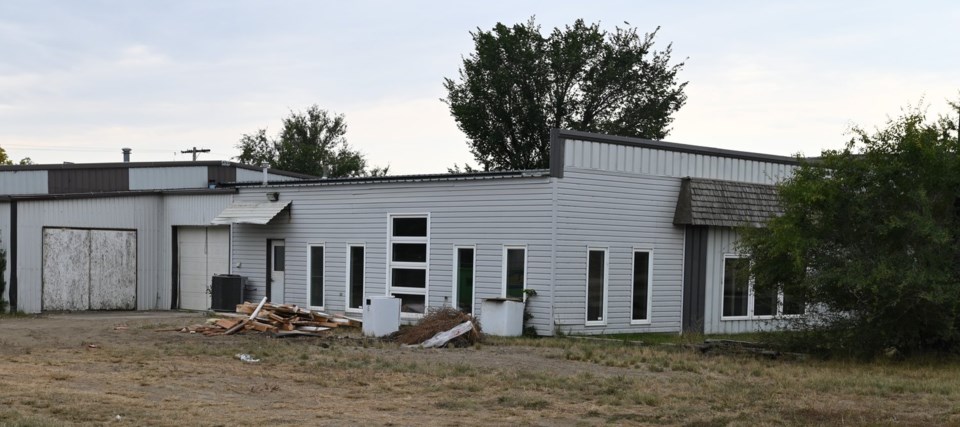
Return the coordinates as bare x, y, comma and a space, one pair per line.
271, 243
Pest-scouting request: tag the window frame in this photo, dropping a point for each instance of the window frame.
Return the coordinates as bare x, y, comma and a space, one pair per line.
323, 277
503, 268
633, 271
349, 278
751, 294
605, 301
455, 296
425, 266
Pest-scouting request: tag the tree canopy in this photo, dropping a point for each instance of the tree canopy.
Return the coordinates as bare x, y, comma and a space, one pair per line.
6, 160
870, 238
518, 84
311, 142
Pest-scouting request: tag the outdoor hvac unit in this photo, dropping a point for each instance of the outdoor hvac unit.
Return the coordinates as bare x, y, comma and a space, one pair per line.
381, 316
226, 292
502, 317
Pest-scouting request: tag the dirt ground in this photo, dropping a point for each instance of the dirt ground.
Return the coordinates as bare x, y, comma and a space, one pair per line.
130, 368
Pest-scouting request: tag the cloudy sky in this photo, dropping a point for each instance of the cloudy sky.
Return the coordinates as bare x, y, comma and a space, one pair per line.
80, 80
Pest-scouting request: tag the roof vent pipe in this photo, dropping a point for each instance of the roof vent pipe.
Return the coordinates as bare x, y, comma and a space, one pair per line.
266, 167
126, 154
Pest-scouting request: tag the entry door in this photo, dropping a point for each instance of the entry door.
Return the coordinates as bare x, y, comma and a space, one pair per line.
278, 260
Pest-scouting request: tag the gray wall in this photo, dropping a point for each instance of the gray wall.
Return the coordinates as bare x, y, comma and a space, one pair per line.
23, 182
485, 213
167, 178
151, 216
247, 175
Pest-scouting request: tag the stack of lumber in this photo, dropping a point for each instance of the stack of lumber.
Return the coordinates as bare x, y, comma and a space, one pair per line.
278, 319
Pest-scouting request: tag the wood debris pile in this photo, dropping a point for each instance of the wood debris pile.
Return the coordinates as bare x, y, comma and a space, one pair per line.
278, 319
440, 320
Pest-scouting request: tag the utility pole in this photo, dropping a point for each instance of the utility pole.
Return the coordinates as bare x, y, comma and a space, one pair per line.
194, 151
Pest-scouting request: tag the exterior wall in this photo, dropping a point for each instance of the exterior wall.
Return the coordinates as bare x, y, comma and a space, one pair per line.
63, 181
649, 161
168, 178
23, 182
486, 213
5, 246
153, 217
247, 175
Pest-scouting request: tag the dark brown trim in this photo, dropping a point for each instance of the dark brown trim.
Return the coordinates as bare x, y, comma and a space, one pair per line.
557, 151
175, 270
266, 278
694, 279
134, 165
564, 134
133, 193
13, 258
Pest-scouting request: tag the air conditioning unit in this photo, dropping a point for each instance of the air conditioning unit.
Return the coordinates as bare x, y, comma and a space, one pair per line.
381, 316
226, 291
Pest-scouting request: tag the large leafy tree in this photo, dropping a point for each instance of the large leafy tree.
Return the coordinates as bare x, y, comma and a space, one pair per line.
6, 160
870, 237
518, 84
311, 142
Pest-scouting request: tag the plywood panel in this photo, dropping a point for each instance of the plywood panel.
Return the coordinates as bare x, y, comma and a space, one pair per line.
66, 269
113, 270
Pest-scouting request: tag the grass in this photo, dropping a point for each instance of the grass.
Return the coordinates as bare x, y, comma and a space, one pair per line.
170, 378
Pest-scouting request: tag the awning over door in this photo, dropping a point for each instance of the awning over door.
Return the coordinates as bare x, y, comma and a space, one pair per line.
250, 213
725, 203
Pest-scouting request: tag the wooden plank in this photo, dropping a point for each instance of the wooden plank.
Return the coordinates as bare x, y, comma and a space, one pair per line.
237, 327
228, 323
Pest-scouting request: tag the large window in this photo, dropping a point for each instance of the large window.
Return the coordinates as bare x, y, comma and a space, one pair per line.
409, 258
514, 271
642, 277
315, 266
742, 300
596, 286
355, 276
463, 277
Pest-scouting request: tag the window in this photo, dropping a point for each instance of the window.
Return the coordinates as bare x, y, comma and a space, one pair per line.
355, 273
463, 278
596, 286
514, 271
742, 300
409, 258
640, 310
315, 262
279, 257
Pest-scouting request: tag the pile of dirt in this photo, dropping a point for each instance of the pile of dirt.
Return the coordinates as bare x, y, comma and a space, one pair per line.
440, 320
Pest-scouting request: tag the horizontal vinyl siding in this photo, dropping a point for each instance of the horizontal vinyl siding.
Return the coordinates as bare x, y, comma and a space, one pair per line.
23, 182
620, 212
649, 161
487, 214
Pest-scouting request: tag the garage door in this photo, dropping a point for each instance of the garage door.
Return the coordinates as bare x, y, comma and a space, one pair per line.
89, 269
202, 252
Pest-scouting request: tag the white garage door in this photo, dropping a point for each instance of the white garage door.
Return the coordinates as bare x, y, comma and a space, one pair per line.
203, 252
89, 269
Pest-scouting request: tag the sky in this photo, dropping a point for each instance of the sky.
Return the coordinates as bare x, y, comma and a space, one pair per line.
81, 80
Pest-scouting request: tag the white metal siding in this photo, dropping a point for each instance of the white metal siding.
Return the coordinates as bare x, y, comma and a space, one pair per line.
247, 175
23, 182
488, 214
649, 161
621, 212
168, 177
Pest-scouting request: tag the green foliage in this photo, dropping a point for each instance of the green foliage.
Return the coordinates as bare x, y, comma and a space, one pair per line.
870, 238
518, 84
6, 160
311, 142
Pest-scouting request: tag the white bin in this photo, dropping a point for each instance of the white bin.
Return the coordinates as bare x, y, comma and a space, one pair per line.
381, 316
502, 317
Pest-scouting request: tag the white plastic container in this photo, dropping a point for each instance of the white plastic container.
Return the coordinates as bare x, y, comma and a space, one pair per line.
502, 317
381, 316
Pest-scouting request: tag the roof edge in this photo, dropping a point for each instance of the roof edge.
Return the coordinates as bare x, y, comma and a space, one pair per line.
531, 173
108, 194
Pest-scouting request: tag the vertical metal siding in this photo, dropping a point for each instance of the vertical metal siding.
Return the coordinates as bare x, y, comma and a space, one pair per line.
23, 182
488, 214
648, 161
87, 180
247, 175
5, 246
168, 177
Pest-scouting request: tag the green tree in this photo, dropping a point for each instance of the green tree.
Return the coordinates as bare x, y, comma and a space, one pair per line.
870, 238
518, 84
311, 142
6, 160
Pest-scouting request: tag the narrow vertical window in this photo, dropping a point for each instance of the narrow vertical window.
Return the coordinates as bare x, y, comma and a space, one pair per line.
409, 258
515, 271
792, 305
641, 286
765, 301
464, 279
355, 278
316, 275
736, 286
596, 285
279, 257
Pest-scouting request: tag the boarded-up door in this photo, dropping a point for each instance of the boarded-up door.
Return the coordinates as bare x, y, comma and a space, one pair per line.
89, 269
202, 252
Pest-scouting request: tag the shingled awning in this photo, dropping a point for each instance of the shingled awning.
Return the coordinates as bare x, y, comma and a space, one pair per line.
725, 203
250, 213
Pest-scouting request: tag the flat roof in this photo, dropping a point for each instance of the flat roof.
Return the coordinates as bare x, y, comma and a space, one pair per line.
473, 176
131, 165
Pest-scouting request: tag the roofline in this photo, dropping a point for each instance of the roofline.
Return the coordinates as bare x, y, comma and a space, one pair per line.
532, 173
109, 194
130, 165
561, 134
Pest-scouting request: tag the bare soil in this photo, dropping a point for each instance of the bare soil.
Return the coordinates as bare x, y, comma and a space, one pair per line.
130, 368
